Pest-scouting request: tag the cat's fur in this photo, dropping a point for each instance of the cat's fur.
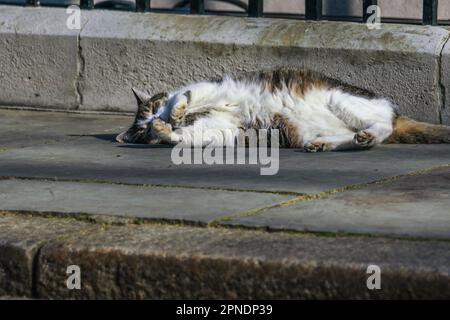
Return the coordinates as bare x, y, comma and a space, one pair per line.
311, 111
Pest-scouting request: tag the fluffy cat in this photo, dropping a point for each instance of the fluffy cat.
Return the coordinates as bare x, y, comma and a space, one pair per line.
311, 111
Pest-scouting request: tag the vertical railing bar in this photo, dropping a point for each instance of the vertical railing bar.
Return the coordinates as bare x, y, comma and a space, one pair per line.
366, 5
255, 8
197, 6
87, 4
143, 5
32, 3
430, 12
313, 9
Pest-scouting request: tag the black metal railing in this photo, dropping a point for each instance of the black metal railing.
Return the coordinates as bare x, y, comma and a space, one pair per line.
255, 8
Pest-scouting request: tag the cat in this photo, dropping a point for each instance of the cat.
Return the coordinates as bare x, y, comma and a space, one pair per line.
311, 112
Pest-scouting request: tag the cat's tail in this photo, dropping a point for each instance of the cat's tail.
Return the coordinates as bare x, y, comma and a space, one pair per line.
410, 131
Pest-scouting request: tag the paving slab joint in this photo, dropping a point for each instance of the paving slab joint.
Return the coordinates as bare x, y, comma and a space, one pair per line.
318, 196
151, 185
35, 271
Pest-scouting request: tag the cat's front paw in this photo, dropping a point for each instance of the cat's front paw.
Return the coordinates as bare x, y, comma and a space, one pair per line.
364, 139
160, 131
314, 147
179, 109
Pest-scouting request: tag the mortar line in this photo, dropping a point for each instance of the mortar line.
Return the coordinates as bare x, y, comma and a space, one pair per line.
326, 234
131, 221
148, 185
319, 196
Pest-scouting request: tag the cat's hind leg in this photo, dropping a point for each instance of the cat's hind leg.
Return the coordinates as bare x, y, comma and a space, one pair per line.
372, 119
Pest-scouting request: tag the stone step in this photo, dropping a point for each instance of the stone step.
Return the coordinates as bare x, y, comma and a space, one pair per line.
156, 261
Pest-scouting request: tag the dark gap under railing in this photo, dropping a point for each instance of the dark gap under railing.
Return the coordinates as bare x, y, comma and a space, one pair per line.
255, 8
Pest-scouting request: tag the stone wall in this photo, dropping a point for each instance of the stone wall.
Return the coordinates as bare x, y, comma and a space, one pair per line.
44, 64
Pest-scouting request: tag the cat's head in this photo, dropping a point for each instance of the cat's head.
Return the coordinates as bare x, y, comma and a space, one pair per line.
146, 106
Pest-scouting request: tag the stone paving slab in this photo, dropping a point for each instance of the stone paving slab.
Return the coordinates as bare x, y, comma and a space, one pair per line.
23, 128
194, 205
162, 261
87, 158
416, 206
299, 172
86, 151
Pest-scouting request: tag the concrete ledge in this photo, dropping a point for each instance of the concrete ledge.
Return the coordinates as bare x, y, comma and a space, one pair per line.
169, 262
118, 50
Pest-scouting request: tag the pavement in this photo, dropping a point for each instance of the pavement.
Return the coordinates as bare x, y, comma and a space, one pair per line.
142, 227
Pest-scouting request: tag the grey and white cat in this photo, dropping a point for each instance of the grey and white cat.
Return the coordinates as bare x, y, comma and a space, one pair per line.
311, 111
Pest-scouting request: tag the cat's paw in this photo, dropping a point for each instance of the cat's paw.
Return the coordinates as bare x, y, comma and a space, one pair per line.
364, 139
314, 147
179, 109
160, 130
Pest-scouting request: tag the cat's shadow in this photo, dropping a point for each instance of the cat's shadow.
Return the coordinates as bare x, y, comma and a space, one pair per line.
143, 146
100, 136
334, 151
112, 138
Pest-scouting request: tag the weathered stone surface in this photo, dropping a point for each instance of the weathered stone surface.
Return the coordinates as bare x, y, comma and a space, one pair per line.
165, 262
21, 237
39, 60
194, 205
416, 206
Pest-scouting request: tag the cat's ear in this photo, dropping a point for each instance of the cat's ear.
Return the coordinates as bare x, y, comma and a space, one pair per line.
141, 97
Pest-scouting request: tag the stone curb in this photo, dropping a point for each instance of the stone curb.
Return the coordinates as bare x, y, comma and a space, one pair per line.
94, 69
174, 262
